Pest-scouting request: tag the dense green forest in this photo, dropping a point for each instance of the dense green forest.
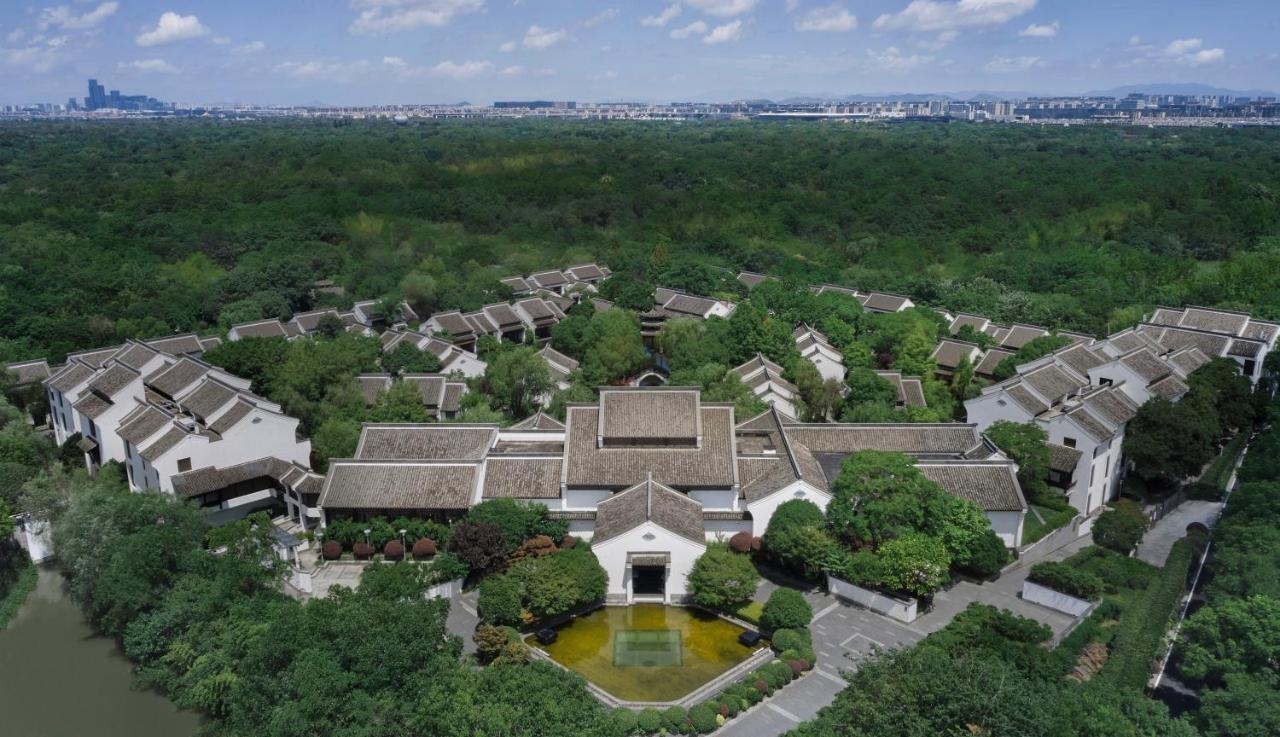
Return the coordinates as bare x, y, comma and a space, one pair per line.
114, 230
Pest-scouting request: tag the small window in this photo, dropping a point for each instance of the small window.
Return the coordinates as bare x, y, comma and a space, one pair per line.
1104, 382
1069, 442
184, 464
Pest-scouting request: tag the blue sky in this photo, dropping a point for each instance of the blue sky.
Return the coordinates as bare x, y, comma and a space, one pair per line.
420, 51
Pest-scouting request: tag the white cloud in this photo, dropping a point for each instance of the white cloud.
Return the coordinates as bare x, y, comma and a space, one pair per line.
1191, 52
173, 27
892, 60
512, 70
395, 62
540, 38
935, 15
724, 34
1040, 30
940, 42
724, 8
465, 70
833, 18
159, 66
668, 14
388, 16
508, 47
695, 28
1135, 40
1009, 64
792, 5
602, 17
252, 47
15, 35
64, 17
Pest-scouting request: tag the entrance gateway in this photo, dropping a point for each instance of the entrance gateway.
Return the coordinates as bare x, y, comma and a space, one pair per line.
649, 576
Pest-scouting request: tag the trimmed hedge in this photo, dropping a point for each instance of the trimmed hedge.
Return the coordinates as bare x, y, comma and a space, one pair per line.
1068, 580
424, 549
1140, 635
785, 609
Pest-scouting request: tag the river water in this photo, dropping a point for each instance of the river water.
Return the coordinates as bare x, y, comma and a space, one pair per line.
59, 679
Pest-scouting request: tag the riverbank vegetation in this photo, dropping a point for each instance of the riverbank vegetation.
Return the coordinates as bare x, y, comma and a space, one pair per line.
147, 228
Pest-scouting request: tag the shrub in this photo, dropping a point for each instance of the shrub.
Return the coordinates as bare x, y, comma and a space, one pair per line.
499, 600
1067, 579
987, 556
730, 707
560, 583
753, 695
761, 685
674, 719
785, 609
722, 579
790, 639
479, 544
490, 641
703, 719
649, 720
363, 550
1120, 528
915, 564
331, 550
1204, 491
535, 547
424, 549
568, 542
777, 673
518, 521
741, 542
393, 550
624, 721
798, 666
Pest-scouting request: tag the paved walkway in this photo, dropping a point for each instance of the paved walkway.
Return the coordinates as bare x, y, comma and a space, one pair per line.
1159, 540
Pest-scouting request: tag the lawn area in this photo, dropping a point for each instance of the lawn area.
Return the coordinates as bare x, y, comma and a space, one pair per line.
1033, 529
750, 612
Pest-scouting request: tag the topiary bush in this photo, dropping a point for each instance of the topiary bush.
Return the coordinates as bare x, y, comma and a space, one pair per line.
703, 719
777, 673
761, 685
798, 666
1067, 579
568, 542
785, 609
499, 600
675, 719
624, 721
649, 720
1120, 528
741, 542
987, 556
331, 550
424, 549
393, 550
362, 550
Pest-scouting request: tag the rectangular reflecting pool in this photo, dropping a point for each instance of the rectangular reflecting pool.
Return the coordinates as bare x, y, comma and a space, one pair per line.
648, 652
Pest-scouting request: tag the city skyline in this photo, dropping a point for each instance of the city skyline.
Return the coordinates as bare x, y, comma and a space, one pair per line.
366, 52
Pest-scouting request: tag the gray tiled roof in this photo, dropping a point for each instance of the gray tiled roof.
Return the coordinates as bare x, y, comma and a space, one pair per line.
231, 417
69, 376
991, 359
537, 309
880, 302
1025, 399
163, 444
1257, 330
113, 379
260, 329
1051, 382
644, 502
1170, 387
991, 486
142, 423
751, 279
586, 272
553, 356
517, 283
1146, 364
538, 421
92, 405
502, 315
1217, 321
29, 372
453, 323
179, 376
204, 480
371, 384
207, 398
135, 355
93, 358
949, 353
689, 304
1080, 358
424, 442
919, 439
1188, 359
1211, 344
1112, 405
352, 484
1063, 459
648, 414
977, 322
178, 344
515, 477
709, 465
1019, 335
1089, 423
1244, 348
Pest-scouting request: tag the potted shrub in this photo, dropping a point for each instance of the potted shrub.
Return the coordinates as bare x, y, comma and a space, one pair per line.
424, 549
393, 551
331, 550
362, 550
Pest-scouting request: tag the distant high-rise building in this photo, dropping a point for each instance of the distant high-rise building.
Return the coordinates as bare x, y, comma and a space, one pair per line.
97, 96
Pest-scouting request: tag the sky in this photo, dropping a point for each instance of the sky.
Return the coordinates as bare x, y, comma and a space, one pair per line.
362, 52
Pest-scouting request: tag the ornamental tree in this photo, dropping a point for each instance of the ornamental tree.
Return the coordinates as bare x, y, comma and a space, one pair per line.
722, 579
915, 564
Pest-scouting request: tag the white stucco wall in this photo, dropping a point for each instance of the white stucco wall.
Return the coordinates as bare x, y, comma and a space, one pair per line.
722, 530
762, 509
648, 538
1130, 383
584, 499
1007, 526
271, 435
720, 500
985, 410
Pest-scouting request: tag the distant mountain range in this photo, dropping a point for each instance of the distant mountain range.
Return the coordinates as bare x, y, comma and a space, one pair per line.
1155, 88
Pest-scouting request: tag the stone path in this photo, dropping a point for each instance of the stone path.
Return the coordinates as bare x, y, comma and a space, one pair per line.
1159, 540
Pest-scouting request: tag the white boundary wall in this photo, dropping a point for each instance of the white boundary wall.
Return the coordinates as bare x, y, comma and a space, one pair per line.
903, 610
1055, 600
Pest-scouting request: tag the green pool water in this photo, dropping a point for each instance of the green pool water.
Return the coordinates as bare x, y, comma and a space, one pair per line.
648, 652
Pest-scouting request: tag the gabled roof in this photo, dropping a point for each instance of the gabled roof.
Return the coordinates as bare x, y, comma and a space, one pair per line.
178, 344
649, 414
977, 322
992, 485
69, 376
141, 423
1019, 335
1024, 398
135, 355
708, 464
371, 384
232, 416
517, 477
502, 315
517, 283
648, 501
1146, 364
949, 352
1187, 360
586, 272
991, 359
1170, 387
750, 278
29, 372
164, 443
436, 442
454, 323
358, 484
910, 389
882, 302
308, 322
207, 398
552, 356
538, 421
1080, 358
1063, 459
551, 278
261, 329
1051, 382
172, 379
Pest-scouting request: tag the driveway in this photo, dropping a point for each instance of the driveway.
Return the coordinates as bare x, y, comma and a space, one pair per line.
843, 635
1159, 540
